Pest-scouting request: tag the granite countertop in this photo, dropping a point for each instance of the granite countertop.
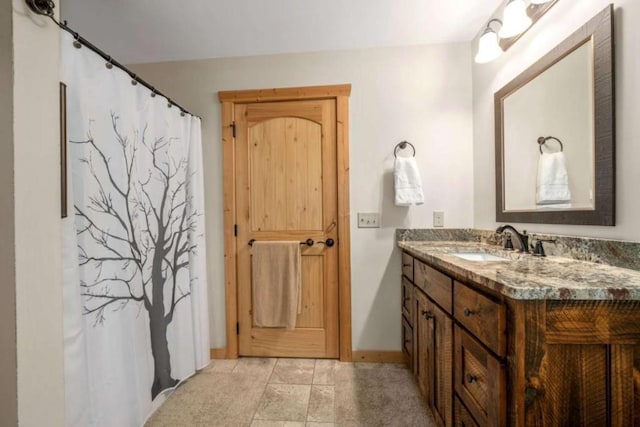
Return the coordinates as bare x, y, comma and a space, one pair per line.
527, 277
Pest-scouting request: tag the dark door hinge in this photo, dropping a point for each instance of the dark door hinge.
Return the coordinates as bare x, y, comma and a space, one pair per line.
233, 128
237, 328
235, 230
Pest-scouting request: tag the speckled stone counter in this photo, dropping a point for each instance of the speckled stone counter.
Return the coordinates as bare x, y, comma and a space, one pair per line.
618, 253
526, 277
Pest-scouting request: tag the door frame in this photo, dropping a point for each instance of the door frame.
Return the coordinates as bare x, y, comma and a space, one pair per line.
229, 99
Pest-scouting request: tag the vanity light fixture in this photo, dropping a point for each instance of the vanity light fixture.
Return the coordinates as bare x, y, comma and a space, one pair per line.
515, 19
488, 45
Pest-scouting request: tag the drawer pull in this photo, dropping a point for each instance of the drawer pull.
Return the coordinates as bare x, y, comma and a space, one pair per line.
405, 299
427, 314
406, 265
468, 312
407, 341
471, 378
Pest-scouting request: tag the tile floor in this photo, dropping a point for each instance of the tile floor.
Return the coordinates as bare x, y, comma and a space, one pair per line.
264, 392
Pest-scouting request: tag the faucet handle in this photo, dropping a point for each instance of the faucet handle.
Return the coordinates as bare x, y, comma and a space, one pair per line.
508, 244
538, 249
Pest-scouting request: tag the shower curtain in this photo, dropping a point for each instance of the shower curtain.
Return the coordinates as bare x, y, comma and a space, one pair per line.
135, 290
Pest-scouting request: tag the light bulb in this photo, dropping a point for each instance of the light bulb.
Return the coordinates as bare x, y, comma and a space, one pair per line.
515, 19
488, 47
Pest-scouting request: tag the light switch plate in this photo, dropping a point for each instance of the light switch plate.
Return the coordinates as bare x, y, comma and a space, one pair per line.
438, 219
368, 220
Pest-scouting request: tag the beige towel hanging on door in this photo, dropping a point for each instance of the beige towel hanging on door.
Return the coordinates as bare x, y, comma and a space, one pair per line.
276, 284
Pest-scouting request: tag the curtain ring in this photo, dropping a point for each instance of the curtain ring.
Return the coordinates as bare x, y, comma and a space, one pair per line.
76, 41
109, 64
169, 104
153, 92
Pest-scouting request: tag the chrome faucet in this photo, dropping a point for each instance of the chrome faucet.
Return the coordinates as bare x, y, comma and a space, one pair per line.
523, 238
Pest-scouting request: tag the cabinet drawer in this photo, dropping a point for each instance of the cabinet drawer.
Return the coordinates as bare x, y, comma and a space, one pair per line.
408, 305
407, 341
407, 265
483, 317
436, 285
462, 416
479, 380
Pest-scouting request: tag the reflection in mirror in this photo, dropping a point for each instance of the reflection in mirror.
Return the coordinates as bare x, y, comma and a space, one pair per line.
559, 103
555, 134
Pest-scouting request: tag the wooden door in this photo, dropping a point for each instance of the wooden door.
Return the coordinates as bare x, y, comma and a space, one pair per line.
286, 190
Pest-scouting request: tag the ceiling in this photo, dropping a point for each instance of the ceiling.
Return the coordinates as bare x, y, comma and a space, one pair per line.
137, 31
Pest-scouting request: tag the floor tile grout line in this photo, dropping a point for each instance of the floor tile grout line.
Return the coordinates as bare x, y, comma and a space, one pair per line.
306, 415
253, 416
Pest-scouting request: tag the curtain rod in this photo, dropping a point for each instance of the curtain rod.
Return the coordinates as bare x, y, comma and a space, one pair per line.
45, 8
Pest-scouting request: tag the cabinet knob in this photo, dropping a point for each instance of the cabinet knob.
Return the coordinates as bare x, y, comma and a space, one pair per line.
468, 312
407, 341
427, 314
471, 378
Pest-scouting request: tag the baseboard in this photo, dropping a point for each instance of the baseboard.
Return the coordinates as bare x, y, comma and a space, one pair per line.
218, 353
376, 356
372, 356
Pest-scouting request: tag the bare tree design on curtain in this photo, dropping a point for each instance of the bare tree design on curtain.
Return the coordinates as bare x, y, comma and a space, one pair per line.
140, 221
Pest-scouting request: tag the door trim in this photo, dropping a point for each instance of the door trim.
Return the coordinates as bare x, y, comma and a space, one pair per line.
229, 99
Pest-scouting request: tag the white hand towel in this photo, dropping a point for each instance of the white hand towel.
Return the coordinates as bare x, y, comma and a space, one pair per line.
553, 180
408, 183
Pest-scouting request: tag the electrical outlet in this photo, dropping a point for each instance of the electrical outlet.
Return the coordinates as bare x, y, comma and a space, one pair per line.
438, 219
368, 220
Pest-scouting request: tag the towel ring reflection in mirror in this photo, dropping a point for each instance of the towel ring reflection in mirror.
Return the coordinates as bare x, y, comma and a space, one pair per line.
543, 140
401, 146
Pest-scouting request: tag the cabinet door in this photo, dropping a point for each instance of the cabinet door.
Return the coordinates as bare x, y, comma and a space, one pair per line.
441, 365
423, 344
407, 341
434, 356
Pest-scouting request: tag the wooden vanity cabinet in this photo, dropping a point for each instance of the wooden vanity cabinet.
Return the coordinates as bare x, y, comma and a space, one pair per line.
482, 359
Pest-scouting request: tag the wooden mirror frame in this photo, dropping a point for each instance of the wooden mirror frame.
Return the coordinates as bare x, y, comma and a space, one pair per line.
600, 30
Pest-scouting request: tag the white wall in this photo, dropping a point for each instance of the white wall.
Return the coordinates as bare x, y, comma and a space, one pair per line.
560, 22
421, 94
38, 256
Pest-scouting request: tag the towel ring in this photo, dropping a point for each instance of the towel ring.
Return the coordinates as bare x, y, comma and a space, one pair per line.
543, 140
402, 145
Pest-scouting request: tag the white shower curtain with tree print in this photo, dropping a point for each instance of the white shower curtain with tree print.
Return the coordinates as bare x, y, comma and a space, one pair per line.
136, 319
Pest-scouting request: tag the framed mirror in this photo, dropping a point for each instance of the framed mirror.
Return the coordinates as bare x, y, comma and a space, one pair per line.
555, 134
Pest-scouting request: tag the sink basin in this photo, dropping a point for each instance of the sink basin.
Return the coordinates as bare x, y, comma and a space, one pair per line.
479, 256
